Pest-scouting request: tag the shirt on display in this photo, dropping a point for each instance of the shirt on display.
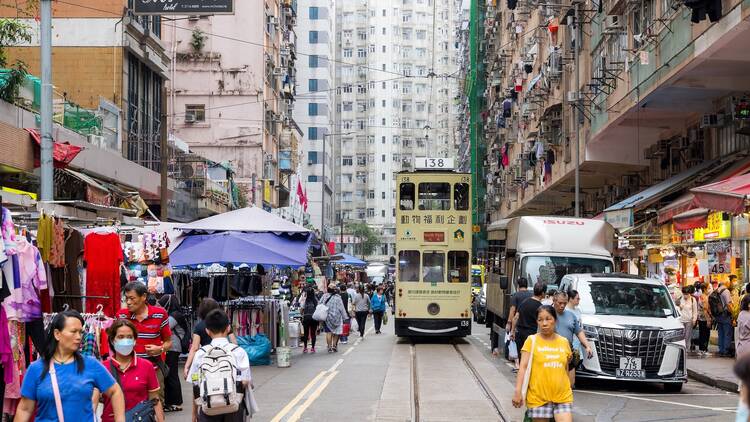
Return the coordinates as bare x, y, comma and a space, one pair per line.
24, 300
103, 255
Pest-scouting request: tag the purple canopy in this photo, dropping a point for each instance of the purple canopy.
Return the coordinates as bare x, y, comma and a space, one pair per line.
242, 248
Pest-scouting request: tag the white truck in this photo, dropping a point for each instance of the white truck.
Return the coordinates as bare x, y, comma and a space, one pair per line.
541, 249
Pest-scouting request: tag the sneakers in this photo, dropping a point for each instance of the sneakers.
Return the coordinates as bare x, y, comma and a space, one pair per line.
312, 350
344, 341
305, 350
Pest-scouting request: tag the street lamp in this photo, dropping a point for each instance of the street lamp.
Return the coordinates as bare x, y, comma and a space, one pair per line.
323, 184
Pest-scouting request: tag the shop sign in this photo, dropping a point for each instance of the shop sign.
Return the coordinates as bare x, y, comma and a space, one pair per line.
741, 227
620, 219
719, 258
716, 228
183, 7
669, 235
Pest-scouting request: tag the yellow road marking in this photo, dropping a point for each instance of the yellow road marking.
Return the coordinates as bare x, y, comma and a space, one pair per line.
314, 396
297, 398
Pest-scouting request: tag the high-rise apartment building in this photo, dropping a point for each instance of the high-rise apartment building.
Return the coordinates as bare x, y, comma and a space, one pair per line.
314, 108
396, 84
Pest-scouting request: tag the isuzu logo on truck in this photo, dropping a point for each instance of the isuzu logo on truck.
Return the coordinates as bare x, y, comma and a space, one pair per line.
568, 222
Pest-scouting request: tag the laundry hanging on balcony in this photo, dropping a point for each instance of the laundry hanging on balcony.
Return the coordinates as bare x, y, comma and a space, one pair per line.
62, 154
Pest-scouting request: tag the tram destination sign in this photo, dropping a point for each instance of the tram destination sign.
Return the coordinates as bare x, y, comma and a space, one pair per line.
183, 7
422, 163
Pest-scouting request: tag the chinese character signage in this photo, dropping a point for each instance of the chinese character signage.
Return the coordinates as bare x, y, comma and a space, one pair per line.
716, 228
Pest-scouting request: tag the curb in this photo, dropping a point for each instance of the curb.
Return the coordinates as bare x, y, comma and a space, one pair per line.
725, 385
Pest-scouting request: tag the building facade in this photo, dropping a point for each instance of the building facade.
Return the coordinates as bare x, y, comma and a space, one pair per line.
233, 93
653, 94
396, 84
314, 110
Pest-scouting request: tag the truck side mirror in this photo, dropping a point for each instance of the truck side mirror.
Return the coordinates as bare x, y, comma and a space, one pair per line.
504, 282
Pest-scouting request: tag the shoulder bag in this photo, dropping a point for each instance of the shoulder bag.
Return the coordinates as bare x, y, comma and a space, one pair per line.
527, 374
56, 392
321, 311
141, 412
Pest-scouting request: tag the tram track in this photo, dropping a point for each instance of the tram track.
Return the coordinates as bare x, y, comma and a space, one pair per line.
417, 399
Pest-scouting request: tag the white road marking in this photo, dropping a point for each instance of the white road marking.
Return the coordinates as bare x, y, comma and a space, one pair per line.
351, 349
719, 409
336, 365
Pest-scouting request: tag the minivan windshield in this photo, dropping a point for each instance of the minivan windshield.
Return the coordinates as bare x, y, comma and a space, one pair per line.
624, 298
551, 269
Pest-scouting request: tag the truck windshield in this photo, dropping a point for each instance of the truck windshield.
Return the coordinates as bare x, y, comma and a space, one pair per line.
625, 298
551, 269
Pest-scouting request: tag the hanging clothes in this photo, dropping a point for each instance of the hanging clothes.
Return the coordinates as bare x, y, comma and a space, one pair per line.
44, 235
24, 299
103, 256
539, 147
66, 280
57, 249
507, 104
551, 156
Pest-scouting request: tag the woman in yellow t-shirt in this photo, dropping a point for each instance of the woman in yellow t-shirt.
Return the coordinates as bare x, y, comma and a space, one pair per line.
548, 394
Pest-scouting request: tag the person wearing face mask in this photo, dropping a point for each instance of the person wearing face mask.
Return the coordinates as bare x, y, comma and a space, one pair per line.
136, 376
60, 385
742, 371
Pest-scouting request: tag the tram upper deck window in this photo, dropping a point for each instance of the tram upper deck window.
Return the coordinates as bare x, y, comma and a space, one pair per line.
434, 196
458, 266
406, 196
461, 196
408, 266
433, 267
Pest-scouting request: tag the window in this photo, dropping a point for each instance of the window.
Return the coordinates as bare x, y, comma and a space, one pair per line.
383, 47
312, 178
461, 196
313, 37
370, 158
361, 53
360, 195
314, 12
408, 266
382, 195
406, 197
370, 194
347, 161
312, 109
361, 89
382, 176
316, 60
312, 133
197, 111
382, 140
361, 160
312, 157
421, 34
384, 12
382, 158
370, 212
346, 197
382, 213
347, 89
347, 177
458, 267
433, 264
372, 48
362, 34
347, 52
434, 196
312, 85
383, 31
347, 106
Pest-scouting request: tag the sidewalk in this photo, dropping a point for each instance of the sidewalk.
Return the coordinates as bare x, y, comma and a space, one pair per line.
713, 370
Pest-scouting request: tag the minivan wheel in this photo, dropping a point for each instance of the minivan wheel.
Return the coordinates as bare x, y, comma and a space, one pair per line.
672, 387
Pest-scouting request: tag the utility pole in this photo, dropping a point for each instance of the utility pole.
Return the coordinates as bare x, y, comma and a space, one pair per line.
46, 168
164, 192
578, 112
323, 192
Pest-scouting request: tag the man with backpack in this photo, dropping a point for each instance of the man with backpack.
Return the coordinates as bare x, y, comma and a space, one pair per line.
220, 374
718, 302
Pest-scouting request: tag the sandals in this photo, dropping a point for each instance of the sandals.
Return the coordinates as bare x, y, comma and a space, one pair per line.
172, 408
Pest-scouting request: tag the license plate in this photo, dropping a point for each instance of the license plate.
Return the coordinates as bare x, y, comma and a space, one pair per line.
630, 367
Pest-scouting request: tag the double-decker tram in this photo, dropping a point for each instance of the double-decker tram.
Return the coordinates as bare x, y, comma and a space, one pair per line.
433, 248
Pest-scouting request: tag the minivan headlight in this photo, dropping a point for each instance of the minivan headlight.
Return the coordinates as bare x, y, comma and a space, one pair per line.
674, 335
590, 331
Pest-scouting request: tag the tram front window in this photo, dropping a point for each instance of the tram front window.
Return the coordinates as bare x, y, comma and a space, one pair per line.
458, 264
406, 196
408, 266
433, 264
434, 196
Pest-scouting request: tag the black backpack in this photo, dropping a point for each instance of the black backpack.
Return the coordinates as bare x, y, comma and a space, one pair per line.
310, 304
715, 304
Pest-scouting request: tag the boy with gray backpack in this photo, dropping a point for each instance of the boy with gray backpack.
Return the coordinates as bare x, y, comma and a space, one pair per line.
220, 373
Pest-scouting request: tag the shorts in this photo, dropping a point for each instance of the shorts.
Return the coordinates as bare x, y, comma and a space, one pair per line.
549, 410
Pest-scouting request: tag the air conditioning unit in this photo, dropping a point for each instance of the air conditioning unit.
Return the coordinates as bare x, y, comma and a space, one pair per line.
572, 96
96, 140
712, 120
190, 118
613, 23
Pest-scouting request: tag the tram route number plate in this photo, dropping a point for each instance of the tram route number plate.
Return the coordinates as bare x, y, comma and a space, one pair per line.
630, 367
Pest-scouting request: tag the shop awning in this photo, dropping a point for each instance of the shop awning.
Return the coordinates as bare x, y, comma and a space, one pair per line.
662, 189
241, 248
685, 202
62, 154
728, 195
250, 219
692, 219
346, 259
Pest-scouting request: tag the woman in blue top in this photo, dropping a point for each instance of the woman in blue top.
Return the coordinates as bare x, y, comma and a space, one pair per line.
378, 308
77, 376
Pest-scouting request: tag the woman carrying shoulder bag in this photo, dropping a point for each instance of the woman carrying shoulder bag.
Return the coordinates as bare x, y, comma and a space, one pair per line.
543, 383
61, 384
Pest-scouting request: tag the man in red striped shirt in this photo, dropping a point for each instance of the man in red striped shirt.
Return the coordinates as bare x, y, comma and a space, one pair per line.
152, 323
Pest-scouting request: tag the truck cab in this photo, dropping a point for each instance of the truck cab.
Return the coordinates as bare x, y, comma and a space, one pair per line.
541, 249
